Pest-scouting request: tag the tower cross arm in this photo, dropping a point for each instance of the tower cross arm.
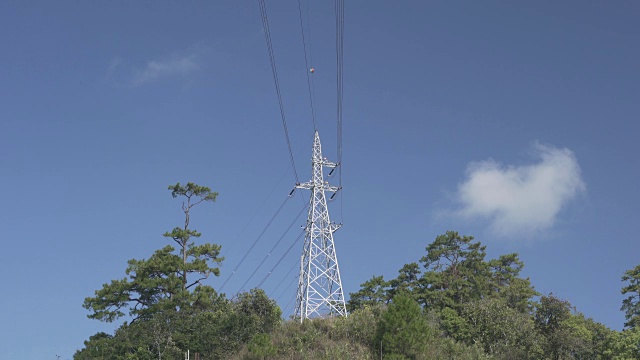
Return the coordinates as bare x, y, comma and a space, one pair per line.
324, 186
329, 164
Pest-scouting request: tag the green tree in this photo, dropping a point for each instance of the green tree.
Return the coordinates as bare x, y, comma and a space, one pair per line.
163, 281
98, 347
549, 318
505, 282
217, 327
453, 325
602, 338
156, 336
505, 269
456, 272
631, 305
568, 335
502, 330
403, 329
257, 313
624, 345
146, 339
518, 295
172, 310
372, 292
407, 280
260, 346
587, 339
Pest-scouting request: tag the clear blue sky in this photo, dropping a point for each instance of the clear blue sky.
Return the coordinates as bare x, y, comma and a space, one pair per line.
517, 124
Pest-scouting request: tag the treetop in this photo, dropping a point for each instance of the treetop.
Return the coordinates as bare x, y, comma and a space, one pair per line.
192, 189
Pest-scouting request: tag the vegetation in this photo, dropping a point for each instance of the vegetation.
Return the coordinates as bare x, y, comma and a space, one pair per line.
451, 304
162, 282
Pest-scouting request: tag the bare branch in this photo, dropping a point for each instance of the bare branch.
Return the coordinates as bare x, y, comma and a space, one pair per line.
197, 281
196, 203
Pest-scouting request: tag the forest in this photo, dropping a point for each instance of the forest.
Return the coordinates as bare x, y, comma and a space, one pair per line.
452, 303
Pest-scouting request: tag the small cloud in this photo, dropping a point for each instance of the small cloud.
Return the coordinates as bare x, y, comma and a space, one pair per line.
156, 69
113, 65
523, 199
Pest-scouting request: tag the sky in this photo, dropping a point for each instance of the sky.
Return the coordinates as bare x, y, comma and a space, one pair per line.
516, 123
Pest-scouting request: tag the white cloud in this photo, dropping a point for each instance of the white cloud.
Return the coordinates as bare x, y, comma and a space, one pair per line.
521, 200
169, 67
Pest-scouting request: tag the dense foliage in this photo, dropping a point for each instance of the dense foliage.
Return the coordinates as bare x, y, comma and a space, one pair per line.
478, 302
451, 304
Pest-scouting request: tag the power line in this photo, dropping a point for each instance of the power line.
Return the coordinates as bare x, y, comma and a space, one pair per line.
281, 258
287, 288
313, 88
284, 278
255, 242
260, 207
272, 249
339, 8
266, 227
274, 72
286, 308
306, 64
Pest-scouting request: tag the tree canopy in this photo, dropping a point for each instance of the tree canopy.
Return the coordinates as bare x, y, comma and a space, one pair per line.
452, 303
485, 302
162, 281
631, 304
171, 310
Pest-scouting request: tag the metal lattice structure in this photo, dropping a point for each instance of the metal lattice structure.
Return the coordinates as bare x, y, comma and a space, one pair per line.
319, 285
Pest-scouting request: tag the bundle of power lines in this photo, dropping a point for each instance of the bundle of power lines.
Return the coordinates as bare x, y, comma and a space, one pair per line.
339, 14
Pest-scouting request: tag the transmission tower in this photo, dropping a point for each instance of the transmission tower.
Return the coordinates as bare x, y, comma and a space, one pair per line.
319, 285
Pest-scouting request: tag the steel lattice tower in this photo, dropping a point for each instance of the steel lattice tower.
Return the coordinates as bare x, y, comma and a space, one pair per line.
319, 285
